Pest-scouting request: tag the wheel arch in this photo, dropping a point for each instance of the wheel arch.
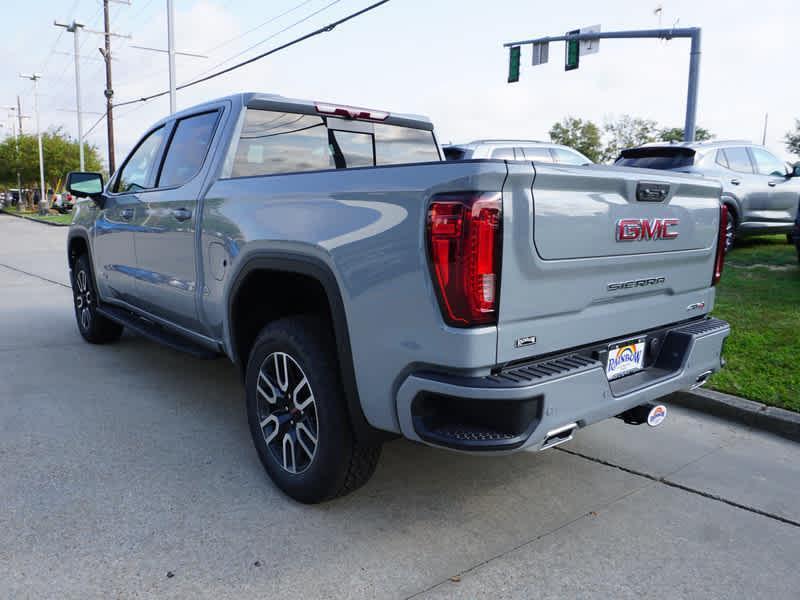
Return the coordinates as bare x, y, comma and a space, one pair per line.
291, 266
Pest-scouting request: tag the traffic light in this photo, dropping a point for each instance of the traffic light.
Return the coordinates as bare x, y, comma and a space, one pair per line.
572, 56
513, 64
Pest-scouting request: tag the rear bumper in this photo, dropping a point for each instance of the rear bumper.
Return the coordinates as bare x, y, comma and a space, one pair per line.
520, 407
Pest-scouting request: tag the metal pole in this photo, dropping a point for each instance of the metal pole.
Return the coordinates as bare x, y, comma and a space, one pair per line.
19, 114
43, 204
764, 136
75, 28
689, 128
171, 53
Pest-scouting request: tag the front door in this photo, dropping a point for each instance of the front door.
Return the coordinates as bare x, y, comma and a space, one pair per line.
783, 191
115, 263
165, 236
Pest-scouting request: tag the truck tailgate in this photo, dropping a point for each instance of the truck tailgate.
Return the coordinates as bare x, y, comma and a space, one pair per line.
587, 258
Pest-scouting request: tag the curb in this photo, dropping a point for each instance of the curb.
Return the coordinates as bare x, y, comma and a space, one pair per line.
782, 422
27, 218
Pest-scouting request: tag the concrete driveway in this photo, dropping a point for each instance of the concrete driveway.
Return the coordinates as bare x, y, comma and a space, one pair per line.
126, 471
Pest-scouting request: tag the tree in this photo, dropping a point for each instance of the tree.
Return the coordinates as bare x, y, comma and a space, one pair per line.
583, 136
675, 134
61, 155
626, 132
793, 139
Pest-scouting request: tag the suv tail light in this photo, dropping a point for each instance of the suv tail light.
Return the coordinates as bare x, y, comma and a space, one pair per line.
464, 245
719, 262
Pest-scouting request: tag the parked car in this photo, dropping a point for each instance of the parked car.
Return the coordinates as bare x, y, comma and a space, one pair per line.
516, 150
759, 189
63, 202
367, 289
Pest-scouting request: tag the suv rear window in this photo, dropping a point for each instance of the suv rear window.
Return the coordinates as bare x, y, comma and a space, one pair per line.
274, 142
657, 158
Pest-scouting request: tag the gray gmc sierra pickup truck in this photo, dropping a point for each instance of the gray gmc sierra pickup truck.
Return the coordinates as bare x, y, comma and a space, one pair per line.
366, 288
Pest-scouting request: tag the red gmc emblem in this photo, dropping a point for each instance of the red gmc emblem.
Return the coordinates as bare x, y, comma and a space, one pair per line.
629, 230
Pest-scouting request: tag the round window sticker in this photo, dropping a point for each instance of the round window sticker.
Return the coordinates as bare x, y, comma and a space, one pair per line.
657, 415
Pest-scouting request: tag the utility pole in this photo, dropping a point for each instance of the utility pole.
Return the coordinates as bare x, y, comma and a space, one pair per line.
109, 91
73, 28
19, 114
43, 200
171, 53
764, 136
10, 110
573, 40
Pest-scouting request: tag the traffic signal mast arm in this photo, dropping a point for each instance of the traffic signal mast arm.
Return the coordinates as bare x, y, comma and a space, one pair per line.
692, 33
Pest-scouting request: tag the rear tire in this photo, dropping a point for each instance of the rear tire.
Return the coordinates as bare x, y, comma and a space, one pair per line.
730, 231
95, 328
297, 413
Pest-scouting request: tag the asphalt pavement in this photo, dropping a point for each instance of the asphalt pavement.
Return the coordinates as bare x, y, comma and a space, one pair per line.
127, 471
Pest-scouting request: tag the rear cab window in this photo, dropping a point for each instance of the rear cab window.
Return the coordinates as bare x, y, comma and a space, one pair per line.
275, 142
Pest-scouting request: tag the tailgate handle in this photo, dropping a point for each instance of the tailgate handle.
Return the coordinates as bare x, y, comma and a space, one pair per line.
651, 191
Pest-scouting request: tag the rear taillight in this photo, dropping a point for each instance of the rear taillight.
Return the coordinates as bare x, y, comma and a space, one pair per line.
464, 245
719, 262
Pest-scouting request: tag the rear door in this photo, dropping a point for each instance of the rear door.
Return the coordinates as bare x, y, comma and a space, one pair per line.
597, 253
751, 189
166, 226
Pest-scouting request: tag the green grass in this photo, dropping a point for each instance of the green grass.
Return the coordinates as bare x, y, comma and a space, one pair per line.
35, 216
759, 295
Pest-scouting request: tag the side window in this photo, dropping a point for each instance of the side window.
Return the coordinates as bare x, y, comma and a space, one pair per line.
395, 145
135, 172
722, 160
274, 142
738, 159
352, 149
568, 157
503, 153
767, 163
187, 149
538, 154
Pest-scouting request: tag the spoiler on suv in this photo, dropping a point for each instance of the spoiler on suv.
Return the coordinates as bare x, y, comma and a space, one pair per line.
657, 157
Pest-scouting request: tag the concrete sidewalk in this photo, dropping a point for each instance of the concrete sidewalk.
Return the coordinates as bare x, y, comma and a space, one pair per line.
120, 464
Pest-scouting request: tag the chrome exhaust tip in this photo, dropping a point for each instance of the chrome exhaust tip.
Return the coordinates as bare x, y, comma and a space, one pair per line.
701, 380
559, 436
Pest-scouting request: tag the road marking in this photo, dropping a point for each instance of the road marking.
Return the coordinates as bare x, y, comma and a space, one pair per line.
34, 275
685, 488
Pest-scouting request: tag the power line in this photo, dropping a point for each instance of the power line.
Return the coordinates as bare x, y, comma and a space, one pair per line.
321, 30
274, 35
257, 27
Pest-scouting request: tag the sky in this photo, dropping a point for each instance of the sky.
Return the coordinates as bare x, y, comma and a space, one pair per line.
440, 58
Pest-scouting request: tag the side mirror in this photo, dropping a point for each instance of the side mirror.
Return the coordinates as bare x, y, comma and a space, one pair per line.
795, 171
85, 185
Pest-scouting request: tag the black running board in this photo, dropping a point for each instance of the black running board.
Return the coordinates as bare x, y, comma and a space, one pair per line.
156, 332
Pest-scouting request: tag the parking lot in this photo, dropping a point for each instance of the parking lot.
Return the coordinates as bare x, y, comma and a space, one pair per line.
128, 471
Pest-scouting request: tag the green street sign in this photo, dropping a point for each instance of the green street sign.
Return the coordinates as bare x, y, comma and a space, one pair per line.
572, 54
513, 64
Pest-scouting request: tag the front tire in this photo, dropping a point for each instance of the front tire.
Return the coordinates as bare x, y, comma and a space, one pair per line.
95, 328
297, 413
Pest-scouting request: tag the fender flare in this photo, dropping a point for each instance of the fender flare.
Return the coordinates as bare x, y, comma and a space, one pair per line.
316, 268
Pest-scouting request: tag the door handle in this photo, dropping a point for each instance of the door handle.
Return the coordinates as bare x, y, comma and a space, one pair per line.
772, 184
182, 214
736, 181
126, 213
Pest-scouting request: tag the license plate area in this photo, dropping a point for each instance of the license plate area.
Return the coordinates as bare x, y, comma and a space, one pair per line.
625, 357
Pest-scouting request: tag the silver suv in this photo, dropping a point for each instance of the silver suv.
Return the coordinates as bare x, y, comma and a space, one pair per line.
759, 189
516, 150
